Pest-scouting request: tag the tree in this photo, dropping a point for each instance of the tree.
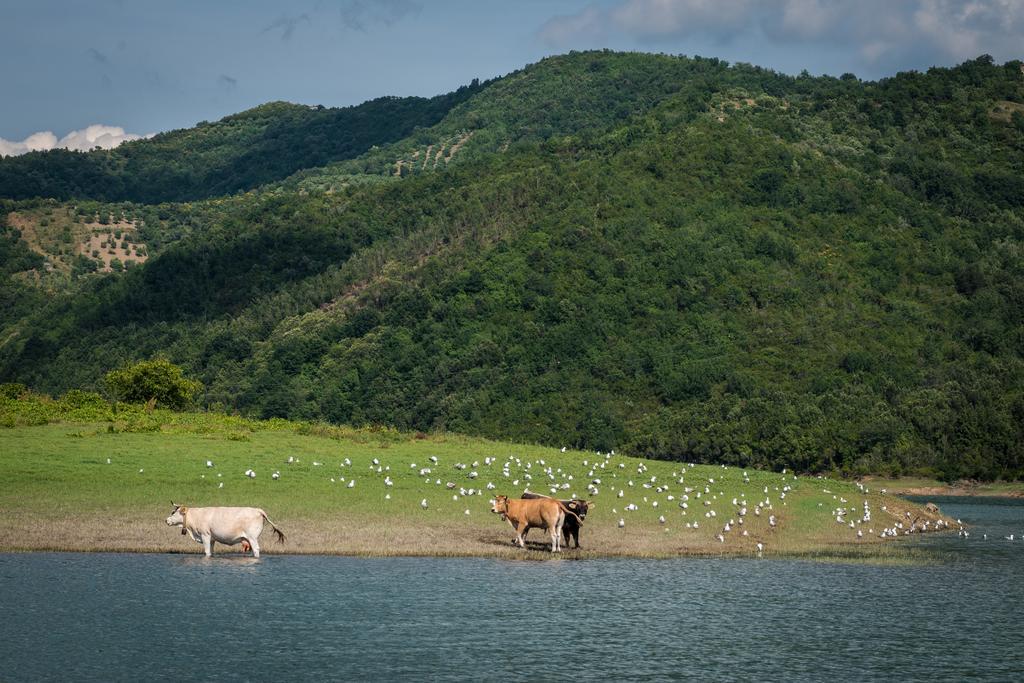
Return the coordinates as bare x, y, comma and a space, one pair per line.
157, 379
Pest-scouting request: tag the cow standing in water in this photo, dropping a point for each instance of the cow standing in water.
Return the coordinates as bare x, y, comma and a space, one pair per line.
229, 526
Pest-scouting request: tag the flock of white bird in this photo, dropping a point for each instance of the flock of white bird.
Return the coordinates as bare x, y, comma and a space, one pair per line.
636, 490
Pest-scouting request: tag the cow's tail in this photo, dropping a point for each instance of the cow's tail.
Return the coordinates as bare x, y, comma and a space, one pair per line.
280, 534
569, 512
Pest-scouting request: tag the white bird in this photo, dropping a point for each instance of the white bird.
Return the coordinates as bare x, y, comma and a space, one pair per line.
661, 519
622, 522
387, 496
466, 512
760, 546
423, 503
275, 476
142, 470
209, 463
220, 485
108, 461
352, 484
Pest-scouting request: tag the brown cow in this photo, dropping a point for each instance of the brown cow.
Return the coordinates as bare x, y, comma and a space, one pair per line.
544, 513
571, 527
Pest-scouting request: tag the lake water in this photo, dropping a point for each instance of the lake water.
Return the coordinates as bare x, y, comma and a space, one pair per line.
112, 617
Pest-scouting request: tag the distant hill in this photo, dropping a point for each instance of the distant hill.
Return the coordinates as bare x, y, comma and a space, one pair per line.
237, 153
669, 256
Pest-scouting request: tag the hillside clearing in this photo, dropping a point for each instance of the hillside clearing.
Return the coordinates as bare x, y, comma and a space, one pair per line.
107, 486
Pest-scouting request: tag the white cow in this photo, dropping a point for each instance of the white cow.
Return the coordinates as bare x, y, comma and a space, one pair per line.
229, 526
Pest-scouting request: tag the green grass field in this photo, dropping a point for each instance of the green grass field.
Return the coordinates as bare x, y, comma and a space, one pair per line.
82, 478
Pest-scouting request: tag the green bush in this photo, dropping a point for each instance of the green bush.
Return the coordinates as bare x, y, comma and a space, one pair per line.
13, 390
157, 379
76, 398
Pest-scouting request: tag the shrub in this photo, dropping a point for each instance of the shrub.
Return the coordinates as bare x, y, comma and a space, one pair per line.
76, 398
14, 390
157, 379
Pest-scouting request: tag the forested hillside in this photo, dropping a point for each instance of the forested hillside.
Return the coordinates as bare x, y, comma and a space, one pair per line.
239, 152
669, 256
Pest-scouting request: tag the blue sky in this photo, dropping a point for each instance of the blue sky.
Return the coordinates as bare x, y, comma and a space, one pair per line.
149, 66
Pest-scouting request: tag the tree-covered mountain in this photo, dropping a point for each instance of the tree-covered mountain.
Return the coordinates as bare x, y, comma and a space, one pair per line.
237, 153
670, 256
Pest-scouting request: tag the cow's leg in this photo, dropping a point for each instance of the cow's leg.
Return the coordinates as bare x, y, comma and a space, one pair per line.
520, 530
576, 536
208, 545
254, 542
514, 530
556, 532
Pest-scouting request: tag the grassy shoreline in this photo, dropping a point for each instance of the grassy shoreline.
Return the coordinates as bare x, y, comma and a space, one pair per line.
77, 479
919, 486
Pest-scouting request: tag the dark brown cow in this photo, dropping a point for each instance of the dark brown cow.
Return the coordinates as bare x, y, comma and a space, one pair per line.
571, 526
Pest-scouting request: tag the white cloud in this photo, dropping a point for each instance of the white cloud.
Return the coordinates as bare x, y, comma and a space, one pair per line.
96, 135
902, 34
808, 18
563, 29
658, 18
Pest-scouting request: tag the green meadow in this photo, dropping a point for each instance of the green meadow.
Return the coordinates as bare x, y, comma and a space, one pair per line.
80, 474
